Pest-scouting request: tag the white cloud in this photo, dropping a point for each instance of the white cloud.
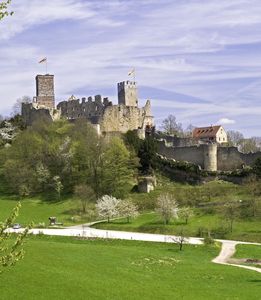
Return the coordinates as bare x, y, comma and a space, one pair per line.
225, 121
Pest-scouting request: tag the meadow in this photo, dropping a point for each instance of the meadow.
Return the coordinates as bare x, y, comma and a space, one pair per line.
70, 268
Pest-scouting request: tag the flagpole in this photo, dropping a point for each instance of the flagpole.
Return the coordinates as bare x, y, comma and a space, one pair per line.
134, 74
46, 67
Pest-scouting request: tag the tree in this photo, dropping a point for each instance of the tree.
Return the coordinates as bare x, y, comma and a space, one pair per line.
188, 132
249, 145
180, 239
85, 194
117, 168
17, 107
230, 212
234, 138
4, 9
107, 207
171, 127
147, 155
257, 167
185, 213
167, 207
11, 251
127, 209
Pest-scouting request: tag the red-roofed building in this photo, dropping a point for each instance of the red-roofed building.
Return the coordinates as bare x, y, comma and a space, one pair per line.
213, 134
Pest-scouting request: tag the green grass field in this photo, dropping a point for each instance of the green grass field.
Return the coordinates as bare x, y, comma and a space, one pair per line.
67, 268
248, 230
38, 211
248, 251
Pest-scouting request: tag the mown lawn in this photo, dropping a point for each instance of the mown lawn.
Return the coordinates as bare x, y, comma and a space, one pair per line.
245, 230
67, 268
248, 251
38, 211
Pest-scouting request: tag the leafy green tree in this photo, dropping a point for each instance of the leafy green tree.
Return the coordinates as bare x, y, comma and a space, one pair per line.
11, 250
118, 169
147, 155
85, 194
230, 212
257, 167
88, 149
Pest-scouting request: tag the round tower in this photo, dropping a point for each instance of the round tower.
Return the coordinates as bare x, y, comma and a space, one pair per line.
210, 157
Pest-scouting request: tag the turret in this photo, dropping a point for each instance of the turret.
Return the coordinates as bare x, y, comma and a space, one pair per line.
45, 90
127, 93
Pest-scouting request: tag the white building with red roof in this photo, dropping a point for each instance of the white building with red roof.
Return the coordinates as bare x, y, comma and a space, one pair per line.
212, 134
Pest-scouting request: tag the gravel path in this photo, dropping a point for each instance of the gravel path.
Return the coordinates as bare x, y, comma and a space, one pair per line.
227, 251
84, 230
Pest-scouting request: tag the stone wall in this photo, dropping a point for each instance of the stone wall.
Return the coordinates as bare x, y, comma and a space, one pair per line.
45, 90
209, 157
194, 154
121, 118
31, 112
229, 158
92, 110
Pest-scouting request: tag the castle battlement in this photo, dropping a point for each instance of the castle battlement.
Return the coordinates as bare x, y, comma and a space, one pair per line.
97, 110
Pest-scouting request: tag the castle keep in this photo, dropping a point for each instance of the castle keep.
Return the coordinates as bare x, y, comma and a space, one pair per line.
105, 117
206, 148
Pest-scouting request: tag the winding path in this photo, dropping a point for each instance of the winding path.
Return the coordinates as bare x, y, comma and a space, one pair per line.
227, 250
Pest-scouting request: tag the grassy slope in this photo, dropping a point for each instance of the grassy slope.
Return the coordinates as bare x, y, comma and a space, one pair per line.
65, 268
248, 251
151, 222
38, 211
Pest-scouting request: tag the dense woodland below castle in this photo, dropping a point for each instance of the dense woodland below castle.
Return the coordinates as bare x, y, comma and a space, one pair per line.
55, 157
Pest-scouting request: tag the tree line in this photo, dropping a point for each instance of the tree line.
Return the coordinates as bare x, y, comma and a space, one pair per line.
171, 126
54, 157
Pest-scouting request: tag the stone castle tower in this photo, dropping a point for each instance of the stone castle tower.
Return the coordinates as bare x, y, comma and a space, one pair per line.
127, 93
45, 91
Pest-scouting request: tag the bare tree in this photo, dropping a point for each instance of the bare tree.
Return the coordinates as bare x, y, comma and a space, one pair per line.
234, 138
167, 207
171, 127
18, 104
180, 239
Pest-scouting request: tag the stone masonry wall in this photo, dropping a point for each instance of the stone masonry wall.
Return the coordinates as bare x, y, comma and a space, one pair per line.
228, 158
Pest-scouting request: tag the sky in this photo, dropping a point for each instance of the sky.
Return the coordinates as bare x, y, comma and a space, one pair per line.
199, 60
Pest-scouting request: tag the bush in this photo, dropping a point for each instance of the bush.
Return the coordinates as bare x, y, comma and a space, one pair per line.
208, 240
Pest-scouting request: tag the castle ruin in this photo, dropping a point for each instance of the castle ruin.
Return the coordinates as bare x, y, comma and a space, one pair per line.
100, 112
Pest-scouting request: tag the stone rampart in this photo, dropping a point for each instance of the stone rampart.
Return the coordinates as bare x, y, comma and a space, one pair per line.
209, 156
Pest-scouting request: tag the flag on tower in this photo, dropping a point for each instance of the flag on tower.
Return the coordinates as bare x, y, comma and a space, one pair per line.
43, 60
131, 72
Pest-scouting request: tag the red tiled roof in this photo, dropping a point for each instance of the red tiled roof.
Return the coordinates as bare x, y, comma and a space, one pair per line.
205, 132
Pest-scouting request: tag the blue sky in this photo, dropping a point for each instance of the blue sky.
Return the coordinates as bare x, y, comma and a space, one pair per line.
199, 60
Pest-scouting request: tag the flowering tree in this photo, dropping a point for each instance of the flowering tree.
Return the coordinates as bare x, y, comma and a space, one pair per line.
127, 209
11, 250
107, 207
185, 213
167, 207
